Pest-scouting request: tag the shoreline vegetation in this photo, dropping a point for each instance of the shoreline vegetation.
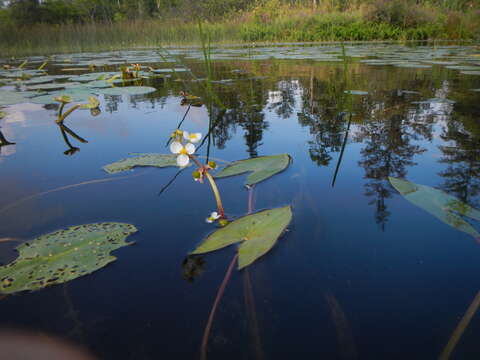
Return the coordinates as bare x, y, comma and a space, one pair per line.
58, 27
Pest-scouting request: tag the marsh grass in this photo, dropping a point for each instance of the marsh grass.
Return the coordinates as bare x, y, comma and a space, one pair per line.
262, 24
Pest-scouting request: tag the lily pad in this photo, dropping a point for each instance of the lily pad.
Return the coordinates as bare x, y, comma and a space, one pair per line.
445, 207
76, 95
144, 160
127, 90
63, 255
52, 86
356, 92
470, 72
261, 167
11, 98
257, 234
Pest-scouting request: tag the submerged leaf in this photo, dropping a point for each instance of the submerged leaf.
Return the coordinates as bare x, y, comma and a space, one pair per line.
439, 204
257, 234
154, 160
63, 255
261, 168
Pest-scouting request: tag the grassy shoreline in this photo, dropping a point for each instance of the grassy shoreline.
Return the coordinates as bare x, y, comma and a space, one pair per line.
281, 25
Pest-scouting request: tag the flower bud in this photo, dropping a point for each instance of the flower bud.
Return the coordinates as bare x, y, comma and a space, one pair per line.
212, 164
223, 222
196, 174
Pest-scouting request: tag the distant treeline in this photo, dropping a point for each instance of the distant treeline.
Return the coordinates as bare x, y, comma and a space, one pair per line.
41, 26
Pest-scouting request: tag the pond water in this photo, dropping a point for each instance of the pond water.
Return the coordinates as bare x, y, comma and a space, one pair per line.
361, 273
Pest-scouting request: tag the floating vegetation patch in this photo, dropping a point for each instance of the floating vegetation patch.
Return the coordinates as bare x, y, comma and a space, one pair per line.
356, 92
470, 72
261, 168
144, 160
76, 95
63, 255
257, 234
127, 90
52, 86
445, 207
12, 97
412, 65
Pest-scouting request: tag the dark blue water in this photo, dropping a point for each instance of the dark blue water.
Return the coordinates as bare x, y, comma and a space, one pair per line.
361, 274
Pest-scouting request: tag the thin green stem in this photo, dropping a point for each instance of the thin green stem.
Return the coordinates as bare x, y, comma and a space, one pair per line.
64, 116
213, 185
216, 193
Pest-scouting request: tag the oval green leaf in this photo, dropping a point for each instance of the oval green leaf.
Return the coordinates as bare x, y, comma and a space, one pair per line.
63, 255
445, 207
261, 167
127, 90
144, 160
257, 233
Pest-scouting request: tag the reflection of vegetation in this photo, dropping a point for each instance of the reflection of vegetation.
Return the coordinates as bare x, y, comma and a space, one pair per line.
193, 267
71, 149
4, 142
462, 175
387, 152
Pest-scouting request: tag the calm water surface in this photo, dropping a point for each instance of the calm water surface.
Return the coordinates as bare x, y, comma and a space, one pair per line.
361, 274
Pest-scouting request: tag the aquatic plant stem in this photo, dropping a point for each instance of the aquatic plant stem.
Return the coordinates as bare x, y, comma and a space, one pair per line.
216, 193
221, 290
462, 325
61, 118
213, 185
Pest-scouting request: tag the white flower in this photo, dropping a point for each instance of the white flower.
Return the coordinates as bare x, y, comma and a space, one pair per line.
213, 216
182, 151
193, 137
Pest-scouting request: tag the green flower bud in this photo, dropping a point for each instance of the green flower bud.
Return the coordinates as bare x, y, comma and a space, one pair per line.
223, 222
196, 174
212, 164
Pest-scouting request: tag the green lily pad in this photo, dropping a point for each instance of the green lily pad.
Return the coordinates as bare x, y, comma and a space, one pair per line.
445, 207
127, 90
356, 92
63, 255
470, 72
76, 95
257, 234
52, 86
11, 98
144, 160
261, 167
415, 66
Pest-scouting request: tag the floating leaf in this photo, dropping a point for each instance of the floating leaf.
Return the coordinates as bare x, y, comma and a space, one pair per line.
257, 234
127, 90
93, 103
356, 92
261, 167
439, 204
11, 98
144, 160
63, 255
470, 72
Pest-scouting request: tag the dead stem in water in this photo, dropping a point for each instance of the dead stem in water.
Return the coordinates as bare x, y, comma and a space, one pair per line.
18, 202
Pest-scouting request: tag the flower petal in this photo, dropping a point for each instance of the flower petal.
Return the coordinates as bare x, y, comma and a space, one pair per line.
195, 137
214, 215
209, 220
183, 160
190, 148
186, 134
176, 147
